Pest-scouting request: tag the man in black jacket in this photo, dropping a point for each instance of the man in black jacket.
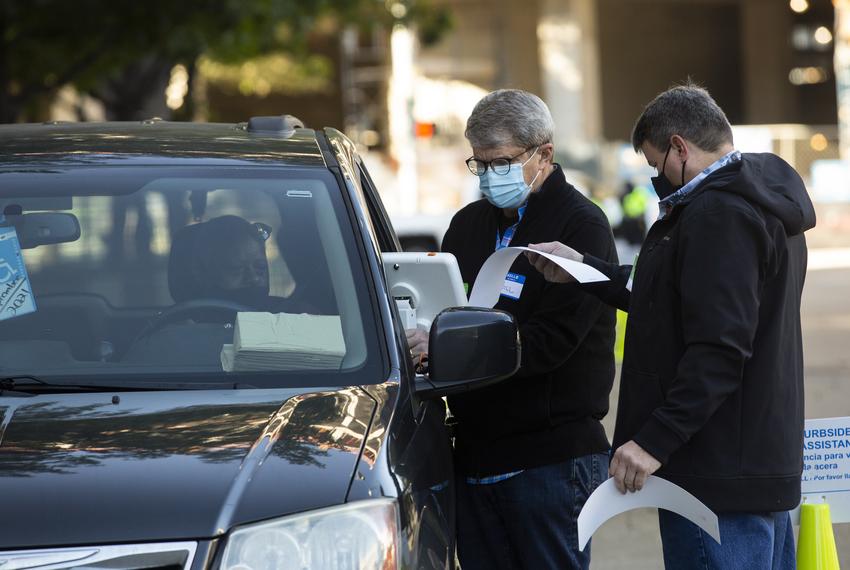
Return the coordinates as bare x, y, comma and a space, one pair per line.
530, 450
712, 381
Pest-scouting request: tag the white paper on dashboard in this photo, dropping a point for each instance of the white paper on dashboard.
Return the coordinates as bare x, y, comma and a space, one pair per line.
606, 502
491, 277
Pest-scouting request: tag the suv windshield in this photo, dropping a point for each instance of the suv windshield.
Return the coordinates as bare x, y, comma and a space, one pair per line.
181, 274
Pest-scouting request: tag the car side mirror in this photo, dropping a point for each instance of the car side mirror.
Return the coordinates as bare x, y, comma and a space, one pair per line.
470, 348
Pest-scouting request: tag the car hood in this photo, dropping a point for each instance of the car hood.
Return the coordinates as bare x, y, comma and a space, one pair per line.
155, 466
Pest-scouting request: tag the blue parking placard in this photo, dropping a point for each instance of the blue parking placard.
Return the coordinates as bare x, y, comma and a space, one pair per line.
16, 296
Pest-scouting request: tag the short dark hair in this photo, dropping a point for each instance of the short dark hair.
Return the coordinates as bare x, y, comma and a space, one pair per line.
685, 110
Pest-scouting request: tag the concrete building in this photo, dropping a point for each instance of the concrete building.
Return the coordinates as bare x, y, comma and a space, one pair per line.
597, 62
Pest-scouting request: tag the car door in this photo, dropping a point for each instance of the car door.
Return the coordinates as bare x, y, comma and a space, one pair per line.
423, 456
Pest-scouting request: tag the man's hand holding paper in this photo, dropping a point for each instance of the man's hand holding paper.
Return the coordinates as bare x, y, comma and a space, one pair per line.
566, 268
630, 466
551, 271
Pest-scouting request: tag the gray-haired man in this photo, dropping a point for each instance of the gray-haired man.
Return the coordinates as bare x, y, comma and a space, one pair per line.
712, 386
530, 450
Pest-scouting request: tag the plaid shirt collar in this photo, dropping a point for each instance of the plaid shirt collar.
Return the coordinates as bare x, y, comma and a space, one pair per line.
667, 204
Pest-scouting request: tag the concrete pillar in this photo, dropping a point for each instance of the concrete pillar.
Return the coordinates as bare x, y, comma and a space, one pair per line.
842, 74
569, 59
515, 42
765, 33
400, 106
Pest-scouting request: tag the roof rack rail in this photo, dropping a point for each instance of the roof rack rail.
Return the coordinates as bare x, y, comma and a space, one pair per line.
279, 124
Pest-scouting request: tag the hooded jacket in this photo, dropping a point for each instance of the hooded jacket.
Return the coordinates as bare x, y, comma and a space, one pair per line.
712, 378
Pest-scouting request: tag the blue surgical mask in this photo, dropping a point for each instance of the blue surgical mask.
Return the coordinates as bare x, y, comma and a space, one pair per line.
510, 190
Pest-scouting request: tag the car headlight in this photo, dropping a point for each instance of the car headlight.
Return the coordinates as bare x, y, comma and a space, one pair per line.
358, 535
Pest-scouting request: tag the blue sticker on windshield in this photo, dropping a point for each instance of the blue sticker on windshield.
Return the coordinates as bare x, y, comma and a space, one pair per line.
16, 297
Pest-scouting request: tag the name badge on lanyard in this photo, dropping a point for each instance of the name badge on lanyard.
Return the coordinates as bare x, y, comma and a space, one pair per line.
512, 288
514, 282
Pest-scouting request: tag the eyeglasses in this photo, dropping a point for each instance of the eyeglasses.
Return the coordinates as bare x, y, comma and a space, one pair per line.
501, 165
264, 231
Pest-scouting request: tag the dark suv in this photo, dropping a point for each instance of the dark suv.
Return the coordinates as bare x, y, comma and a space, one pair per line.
200, 363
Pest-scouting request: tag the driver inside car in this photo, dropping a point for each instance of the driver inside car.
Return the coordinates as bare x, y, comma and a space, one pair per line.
216, 269
222, 258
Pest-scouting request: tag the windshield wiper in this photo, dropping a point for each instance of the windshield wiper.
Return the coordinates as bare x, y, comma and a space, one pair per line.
33, 385
12, 382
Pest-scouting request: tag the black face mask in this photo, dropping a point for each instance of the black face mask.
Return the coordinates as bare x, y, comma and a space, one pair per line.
662, 185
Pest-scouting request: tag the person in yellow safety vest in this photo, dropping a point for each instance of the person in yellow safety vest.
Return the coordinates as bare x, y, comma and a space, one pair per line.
634, 202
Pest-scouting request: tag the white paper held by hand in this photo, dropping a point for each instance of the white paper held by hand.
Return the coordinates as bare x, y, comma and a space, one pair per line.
606, 502
488, 284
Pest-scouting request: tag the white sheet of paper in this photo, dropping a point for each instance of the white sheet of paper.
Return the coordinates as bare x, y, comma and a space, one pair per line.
281, 341
606, 502
491, 278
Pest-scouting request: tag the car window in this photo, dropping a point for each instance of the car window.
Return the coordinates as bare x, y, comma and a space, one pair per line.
249, 275
381, 221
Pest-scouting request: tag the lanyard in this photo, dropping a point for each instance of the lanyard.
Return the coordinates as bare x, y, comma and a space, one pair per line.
503, 241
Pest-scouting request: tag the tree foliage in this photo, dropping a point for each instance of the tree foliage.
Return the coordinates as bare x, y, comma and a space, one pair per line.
45, 44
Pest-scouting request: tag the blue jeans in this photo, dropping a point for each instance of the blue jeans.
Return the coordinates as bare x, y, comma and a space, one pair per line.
749, 540
529, 520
